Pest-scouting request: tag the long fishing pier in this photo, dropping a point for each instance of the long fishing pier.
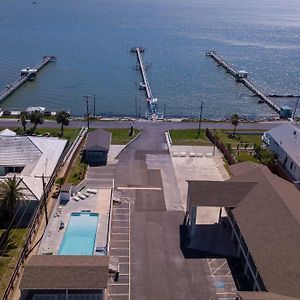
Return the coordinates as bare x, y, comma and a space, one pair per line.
241, 76
151, 101
28, 74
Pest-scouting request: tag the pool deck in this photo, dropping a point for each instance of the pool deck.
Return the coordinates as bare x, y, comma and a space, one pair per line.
98, 203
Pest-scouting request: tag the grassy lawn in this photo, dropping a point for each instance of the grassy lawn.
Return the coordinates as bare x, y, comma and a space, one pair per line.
10, 254
245, 156
77, 171
243, 138
189, 137
69, 133
120, 135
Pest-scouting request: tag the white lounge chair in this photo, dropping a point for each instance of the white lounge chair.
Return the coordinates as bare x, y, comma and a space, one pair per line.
91, 191
81, 196
75, 198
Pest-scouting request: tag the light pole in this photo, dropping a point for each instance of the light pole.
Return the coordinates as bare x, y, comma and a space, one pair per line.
200, 118
87, 97
94, 106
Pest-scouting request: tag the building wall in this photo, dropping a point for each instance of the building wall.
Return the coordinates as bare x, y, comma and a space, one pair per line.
96, 157
290, 166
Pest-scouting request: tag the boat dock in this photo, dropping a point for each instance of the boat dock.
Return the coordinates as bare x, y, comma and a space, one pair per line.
151, 101
241, 76
27, 74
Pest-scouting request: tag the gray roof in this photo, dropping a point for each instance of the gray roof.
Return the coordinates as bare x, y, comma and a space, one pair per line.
288, 137
17, 151
65, 272
268, 216
98, 140
218, 193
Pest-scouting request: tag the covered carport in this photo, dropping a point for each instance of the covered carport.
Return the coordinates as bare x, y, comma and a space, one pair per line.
65, 277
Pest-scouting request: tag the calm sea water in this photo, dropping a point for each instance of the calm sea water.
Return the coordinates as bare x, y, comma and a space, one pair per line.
92, 38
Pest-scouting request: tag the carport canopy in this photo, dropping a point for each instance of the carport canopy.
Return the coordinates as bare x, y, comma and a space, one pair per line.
59, 272
217, 193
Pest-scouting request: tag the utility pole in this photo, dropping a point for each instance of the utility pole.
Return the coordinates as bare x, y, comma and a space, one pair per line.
136, 109
94, 106
200, 118
295, 110
44, 197
87, 97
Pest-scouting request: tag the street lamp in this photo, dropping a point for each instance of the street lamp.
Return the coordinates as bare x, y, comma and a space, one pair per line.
200, 118
87, 97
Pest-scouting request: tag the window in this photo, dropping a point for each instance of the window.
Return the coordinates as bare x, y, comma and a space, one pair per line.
291, 165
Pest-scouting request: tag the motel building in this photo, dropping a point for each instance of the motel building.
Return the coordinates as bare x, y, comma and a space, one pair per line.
259, 222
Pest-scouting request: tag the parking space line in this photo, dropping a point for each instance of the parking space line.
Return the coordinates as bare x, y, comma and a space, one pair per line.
117, 295
219, 268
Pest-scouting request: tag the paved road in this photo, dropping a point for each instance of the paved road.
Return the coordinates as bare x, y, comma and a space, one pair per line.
158, 269
147, 124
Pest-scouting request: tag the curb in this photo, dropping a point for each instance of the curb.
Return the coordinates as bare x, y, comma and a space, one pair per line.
128, 144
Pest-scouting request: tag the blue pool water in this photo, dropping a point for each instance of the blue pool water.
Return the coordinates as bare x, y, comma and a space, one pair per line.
79, 237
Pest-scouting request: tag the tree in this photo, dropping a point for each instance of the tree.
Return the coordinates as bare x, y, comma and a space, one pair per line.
60, 181
23, 116
36, 118
62, 118
10, 193
235, 122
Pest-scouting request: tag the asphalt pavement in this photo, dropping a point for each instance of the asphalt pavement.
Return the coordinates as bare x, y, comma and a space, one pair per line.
157, 267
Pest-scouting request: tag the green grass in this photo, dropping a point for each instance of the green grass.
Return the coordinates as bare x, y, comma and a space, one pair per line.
9, 258
120, 135
69, 133
77, 171
189, 137
243, 138
245, 156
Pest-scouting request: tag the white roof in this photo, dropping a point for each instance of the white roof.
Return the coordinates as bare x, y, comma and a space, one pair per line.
39, 155
36, 108
7, 132
288, 137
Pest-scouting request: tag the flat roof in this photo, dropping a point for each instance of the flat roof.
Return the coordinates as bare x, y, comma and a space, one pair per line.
44, 272
218, 193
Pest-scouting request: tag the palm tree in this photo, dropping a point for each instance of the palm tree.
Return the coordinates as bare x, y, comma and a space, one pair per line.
235, 122
36, 118
62, 118
10, 193
23, 116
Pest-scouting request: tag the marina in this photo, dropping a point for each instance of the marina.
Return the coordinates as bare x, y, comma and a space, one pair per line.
242, 76
151, 101
27, 74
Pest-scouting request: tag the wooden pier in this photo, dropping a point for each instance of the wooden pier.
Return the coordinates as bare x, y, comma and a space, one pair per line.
141, 66
241, 76
151, 101
26, 75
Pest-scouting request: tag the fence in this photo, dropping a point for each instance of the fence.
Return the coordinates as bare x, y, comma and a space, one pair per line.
230, 158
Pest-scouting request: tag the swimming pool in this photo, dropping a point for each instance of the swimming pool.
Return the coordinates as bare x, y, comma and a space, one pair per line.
79, 237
